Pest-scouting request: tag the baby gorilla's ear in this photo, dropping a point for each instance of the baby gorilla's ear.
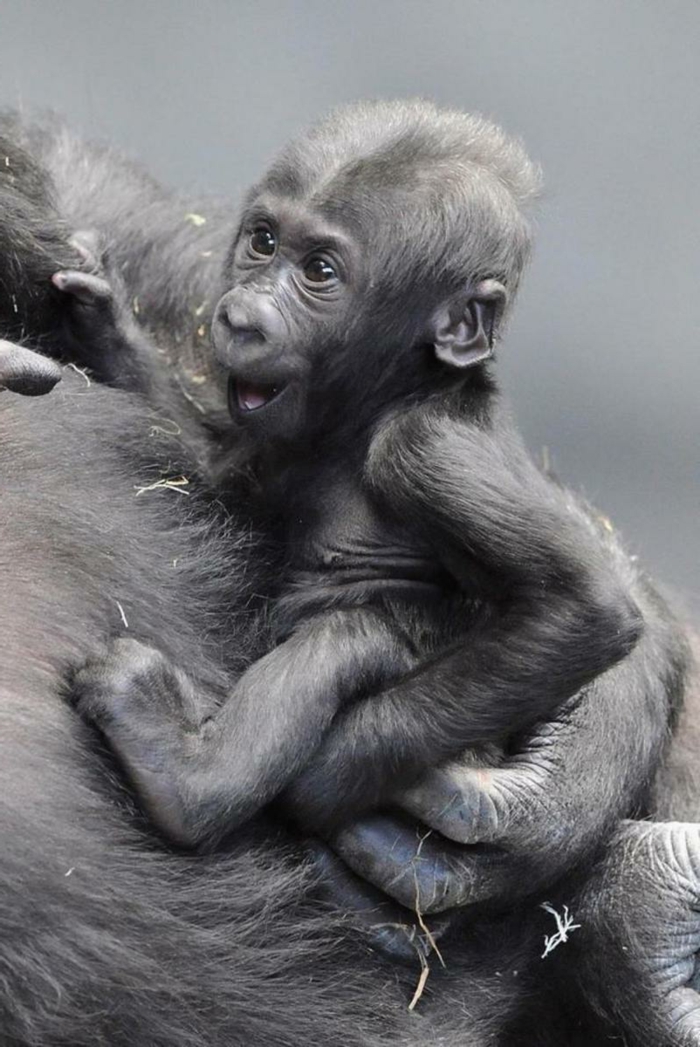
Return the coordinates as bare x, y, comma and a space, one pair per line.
462, 329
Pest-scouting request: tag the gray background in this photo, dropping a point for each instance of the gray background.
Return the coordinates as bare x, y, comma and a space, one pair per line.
602, 360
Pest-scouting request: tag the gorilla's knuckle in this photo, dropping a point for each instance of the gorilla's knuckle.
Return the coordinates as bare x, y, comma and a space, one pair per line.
682, 851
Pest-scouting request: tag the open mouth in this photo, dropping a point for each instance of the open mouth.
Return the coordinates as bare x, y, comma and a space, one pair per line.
250, 396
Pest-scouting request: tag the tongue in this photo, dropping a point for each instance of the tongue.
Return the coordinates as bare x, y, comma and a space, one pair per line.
251, 397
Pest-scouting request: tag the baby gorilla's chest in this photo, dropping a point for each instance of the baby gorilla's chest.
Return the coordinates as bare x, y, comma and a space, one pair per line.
347, 553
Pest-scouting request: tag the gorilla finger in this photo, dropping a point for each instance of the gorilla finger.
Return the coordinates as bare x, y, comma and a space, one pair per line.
85, 287
389, 928
423, 873
25, 372
456, 802
684, 1018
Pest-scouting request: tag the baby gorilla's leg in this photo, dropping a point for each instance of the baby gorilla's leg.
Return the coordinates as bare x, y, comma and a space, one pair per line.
150, 713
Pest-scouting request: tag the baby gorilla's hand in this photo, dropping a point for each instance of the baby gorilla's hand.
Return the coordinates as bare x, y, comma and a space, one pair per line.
94, 311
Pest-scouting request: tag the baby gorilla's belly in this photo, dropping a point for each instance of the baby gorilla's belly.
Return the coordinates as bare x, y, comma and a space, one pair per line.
411, 588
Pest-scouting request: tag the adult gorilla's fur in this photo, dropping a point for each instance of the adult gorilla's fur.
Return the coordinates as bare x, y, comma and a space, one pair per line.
107, 937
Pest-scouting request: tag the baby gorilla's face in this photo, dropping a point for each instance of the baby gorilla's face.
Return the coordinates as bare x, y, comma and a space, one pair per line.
284, 324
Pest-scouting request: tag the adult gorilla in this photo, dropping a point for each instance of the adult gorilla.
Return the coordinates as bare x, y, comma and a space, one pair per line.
107, 937
366, 846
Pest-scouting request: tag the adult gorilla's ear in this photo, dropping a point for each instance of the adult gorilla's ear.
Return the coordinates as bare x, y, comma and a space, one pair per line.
463, 330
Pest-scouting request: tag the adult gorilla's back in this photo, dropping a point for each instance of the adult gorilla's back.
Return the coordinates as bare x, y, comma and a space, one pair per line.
105, 935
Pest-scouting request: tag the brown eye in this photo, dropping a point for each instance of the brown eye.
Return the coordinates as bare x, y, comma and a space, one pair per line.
263, 242
318, 271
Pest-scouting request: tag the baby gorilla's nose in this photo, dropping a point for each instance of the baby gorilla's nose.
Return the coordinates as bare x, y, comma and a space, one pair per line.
235, 328
240, 326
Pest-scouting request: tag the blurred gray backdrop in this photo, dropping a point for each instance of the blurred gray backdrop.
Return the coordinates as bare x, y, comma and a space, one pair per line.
602, 360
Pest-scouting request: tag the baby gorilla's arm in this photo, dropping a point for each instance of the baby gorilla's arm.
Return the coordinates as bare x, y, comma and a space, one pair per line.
200, 780
563, 613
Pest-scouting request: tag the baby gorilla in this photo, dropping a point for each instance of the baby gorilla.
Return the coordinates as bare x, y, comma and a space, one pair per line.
433, 584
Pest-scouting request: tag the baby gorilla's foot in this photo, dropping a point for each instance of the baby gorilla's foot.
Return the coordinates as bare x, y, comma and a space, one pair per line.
147, 711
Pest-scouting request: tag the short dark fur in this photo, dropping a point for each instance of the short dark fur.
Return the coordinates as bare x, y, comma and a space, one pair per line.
138, 913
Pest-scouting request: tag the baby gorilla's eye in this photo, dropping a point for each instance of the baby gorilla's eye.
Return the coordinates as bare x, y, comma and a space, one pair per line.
319, 271
263, 241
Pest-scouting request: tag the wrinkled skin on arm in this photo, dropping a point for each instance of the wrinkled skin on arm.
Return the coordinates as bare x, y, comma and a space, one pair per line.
637, 956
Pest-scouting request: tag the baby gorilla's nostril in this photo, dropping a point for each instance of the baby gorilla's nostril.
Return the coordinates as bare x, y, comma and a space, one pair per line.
245, 335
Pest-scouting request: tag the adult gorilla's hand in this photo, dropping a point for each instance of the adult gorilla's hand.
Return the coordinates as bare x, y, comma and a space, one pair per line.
636, 954
504, 832
25, 372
